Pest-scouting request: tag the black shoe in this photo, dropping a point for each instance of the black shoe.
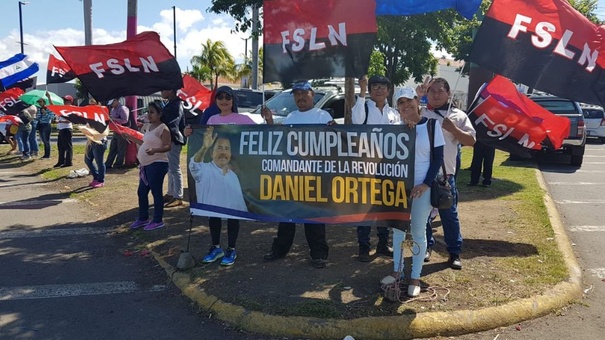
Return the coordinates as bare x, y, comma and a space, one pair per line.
319, 263
472, 184
427, 255
58, 165
66, 165
272, 256
363, 255
383, 249
454, 262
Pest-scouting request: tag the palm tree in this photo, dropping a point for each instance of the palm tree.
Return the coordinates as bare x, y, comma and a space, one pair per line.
215, 61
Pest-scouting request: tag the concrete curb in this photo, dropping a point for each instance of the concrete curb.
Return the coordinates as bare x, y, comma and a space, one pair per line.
401, 326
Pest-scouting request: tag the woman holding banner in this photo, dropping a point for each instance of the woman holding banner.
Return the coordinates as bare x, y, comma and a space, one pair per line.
211, 176
426, 166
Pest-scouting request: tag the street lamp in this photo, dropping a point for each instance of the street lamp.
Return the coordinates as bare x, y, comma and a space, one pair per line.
21, 3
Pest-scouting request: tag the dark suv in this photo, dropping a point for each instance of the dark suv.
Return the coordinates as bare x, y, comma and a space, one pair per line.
574, 144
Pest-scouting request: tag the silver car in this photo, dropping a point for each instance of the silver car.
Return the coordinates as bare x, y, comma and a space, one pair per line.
595, 122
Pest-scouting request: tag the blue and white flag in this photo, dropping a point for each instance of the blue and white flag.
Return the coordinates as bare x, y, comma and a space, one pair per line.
16, 68
466, 8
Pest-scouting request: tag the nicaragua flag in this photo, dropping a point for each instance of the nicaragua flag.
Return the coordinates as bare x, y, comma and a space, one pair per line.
16, 68
466, 8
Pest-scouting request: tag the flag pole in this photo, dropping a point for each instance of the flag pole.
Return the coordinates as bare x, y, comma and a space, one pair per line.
455, 86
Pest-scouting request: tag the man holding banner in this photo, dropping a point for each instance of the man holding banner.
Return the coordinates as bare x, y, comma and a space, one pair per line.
315, 233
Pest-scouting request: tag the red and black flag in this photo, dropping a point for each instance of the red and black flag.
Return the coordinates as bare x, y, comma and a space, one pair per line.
58, 71
125, 130
138, 66
546, 45
317, 38
195, 96
506, 119
10, 103
96, 116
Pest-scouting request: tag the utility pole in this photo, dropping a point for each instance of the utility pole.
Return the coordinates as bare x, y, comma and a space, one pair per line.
131, 101
245, 82
174, 28
255, 47
21, 3
87, 22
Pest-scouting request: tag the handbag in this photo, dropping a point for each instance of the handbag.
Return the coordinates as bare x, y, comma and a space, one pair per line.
441, 191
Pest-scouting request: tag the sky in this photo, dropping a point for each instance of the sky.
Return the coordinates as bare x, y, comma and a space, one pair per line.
48, 23
61, 23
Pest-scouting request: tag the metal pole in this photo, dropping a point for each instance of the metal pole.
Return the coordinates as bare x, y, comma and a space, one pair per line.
131, 101
21, 24
245, 79
254, 47
174, 27
87, 22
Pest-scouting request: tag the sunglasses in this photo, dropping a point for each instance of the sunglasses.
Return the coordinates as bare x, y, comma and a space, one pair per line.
224, 97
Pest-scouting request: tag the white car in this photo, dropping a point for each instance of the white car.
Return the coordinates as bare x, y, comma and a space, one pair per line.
331, 99
595, 122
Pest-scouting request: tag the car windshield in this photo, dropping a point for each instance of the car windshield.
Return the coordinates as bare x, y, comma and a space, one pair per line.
283, 103
558, 106
248, 99
593, 113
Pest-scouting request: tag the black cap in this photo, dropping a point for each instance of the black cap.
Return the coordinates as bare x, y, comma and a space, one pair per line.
378, 80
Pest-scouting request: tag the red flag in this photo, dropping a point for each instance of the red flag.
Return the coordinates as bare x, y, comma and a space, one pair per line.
94, 115
10, 102
138, 66
317, 38
196, 97
124, 130
546, 45
58, 71
13, 119
508, 120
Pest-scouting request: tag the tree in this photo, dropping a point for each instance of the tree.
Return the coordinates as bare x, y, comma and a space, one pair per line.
377, 66
215, 61
238, 10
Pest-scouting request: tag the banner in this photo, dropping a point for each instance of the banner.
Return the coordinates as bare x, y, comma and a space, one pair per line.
58, 71
125, 130
317, 39
96, 116
16, 68
466, 8
10, 103
546, 45
302, 174
507, 120
195, 96
138, 66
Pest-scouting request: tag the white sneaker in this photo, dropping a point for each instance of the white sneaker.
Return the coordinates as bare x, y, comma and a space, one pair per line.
413, 290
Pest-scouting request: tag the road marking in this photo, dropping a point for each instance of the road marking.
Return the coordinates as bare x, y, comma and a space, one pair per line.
71, 290
598, 272
591, 171
587, 228
11, 184
53, 232
595, 201
576, 183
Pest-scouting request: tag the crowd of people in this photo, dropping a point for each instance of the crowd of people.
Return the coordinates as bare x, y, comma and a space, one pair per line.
441, 129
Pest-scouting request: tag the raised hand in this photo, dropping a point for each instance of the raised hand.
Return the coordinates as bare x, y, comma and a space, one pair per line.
209, 137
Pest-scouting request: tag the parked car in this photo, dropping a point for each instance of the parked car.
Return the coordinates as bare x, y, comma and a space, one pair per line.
247, 99
573, 146
331, 99
595, 122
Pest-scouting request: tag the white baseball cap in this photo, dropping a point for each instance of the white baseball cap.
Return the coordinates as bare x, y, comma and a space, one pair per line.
405, 92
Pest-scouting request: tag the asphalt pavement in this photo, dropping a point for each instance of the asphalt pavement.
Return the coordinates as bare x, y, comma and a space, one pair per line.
65, 274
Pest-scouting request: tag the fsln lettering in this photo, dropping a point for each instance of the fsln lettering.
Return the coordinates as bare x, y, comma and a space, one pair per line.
297, 38
56, 70
118, 67
543, 38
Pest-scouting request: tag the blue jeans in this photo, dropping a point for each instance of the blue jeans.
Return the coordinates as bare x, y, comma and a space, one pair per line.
45, 138
363, 236
25, 140
94, 154
33, 138
18, 138
154, 174
451, 224
175, 177
421, 209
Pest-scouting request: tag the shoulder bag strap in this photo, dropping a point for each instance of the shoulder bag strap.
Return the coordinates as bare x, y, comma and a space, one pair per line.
365, 121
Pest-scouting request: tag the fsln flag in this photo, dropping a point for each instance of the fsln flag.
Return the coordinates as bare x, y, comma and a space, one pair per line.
141, 65
546, 45
506, 119
10, 103
317, 38
96, 116
16, 68
466, 8
124, 130
58, 71
195, 96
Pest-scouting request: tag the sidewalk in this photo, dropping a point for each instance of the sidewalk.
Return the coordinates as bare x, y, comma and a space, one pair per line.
409, 324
